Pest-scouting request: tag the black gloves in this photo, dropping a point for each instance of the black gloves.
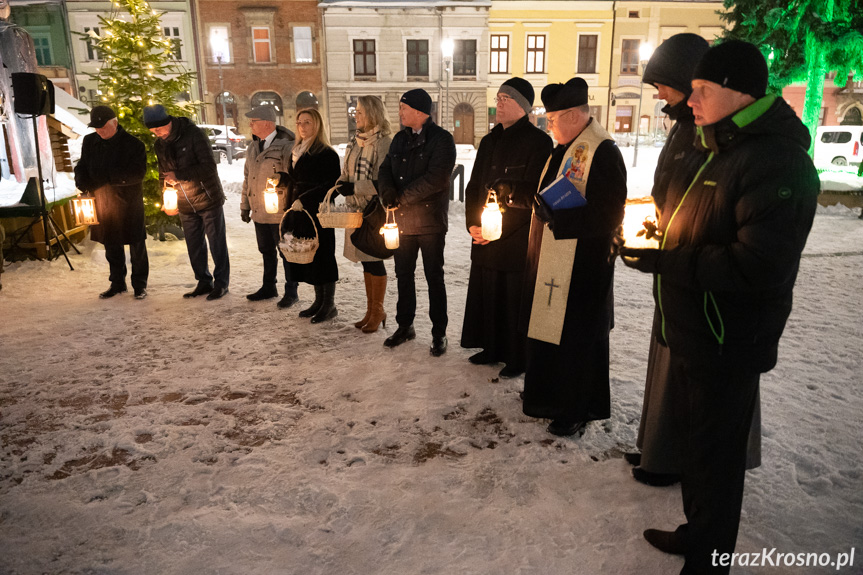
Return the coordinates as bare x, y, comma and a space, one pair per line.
246, 215
503, 188
642, 259
285, 179
345, 188
542, 211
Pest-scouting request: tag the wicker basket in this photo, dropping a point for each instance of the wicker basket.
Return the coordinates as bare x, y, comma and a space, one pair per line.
298, 250
331, 219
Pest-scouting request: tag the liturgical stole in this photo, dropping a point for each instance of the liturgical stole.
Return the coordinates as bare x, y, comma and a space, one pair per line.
556, 257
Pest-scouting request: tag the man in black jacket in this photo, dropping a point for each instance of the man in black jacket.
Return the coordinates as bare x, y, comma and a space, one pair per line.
186, 162
112, 167
510, 160
415, 178
726, 268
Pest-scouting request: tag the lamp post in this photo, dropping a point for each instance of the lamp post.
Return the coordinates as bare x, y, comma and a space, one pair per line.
229, 146
446, 49
644, 53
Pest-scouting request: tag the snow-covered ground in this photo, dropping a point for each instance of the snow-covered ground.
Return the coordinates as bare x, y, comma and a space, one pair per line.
173, 436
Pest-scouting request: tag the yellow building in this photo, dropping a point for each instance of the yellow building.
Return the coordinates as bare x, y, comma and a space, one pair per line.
551, 41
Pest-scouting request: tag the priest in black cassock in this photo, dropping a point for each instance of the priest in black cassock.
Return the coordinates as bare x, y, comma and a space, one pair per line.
509, 160
568, 299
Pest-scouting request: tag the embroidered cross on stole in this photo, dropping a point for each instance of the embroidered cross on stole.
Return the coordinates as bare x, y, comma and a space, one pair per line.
556, 257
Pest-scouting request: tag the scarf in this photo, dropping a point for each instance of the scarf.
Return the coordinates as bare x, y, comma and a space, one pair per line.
361, 166
299, 150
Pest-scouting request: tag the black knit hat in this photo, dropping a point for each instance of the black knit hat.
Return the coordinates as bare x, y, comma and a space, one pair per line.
557, 97
418, 99
156, 116
737, 65
519, 90
673, 63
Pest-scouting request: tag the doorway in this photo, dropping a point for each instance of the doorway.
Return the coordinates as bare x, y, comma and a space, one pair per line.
463, 124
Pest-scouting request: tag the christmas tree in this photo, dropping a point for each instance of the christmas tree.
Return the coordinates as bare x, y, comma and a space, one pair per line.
140, 70
802, 40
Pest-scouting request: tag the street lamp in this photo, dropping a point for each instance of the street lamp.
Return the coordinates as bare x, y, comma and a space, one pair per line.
446, 49
229, 145
645, 51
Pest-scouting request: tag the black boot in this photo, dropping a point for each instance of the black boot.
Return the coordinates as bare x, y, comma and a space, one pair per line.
290, 297
316, 305
328, 307
267, 291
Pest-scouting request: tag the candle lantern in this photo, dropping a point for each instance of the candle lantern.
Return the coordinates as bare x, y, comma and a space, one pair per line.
639, 224
169, 201
492, 218
390, 231
84, 211
271, 196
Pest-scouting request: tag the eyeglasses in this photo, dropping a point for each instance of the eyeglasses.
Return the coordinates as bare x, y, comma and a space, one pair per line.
553, 120
502, 99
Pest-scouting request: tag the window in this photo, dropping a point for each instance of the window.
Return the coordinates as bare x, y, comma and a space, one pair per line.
364, 58
92, 52
303, 47
464, 58
220, 44
42, 44
836, 137
587, 54
629, 57
271, 98
535, 54
418, 58
305, 100
633, 13
172, 33
261, 45
499, 54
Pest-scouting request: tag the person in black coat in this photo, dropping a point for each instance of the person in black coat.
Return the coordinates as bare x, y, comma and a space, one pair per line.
510, 160
567, 378
112, 168
732, 238
313, 170
186, 162
415, 179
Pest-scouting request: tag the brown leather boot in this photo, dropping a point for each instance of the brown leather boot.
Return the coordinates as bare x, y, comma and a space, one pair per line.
367, 277
378, 315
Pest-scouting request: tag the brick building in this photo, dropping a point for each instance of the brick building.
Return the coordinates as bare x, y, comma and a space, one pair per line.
270, 52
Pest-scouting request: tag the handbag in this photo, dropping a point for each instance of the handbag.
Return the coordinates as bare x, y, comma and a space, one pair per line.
367, 238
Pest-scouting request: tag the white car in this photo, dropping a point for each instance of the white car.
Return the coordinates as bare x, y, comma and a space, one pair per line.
838, 145
216, 133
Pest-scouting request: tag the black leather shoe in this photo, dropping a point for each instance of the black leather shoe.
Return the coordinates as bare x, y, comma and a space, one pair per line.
217, 293
140, 293
112, 291
565, 428
655, 479
268, 291
632, 458
438, 346
200, 289
287, 301
672, 542
401, 335
481, 358
511, 370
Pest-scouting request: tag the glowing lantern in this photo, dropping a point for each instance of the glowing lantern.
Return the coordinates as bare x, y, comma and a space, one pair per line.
639, 224
169, 201
271, 197
390, 231
84, 210
492, 218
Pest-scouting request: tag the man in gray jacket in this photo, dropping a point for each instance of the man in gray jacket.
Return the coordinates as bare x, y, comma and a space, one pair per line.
268, 154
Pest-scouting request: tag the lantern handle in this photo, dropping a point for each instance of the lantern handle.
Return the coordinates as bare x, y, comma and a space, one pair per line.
393, 212
491, 196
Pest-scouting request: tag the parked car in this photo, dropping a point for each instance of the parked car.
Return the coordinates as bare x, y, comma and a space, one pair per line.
839, 145
219, 143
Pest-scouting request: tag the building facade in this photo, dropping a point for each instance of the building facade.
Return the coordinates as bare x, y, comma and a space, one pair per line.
259, 52
388, 47
47, 23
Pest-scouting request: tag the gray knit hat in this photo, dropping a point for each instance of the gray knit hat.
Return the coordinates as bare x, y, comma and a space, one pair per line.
519, 90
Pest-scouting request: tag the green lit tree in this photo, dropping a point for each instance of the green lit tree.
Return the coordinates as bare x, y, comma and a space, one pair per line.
140, 69
802, 40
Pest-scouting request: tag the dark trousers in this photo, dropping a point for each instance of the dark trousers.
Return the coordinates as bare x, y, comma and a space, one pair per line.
268, 244
116, 256
210, 223
713, 406
432, 246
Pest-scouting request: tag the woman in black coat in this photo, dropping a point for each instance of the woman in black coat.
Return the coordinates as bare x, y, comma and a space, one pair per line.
313, 171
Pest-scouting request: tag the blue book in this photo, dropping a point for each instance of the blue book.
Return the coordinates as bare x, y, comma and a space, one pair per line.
562, 194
